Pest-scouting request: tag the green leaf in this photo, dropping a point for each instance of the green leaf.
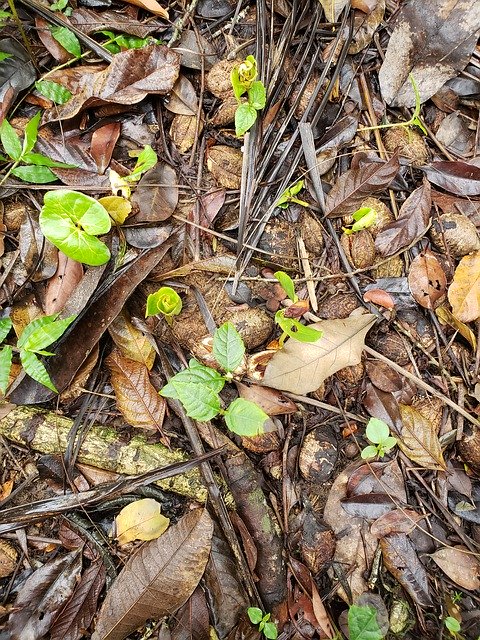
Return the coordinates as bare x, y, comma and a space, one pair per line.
228, 347
35, 369
44, 161
238, 88
59, 6
165, 301
255, 614
197, 388
67, 39
53, 91
5, 326
377, 431
257, 95
5, 56
40, 175
45, 333
5, 366
362, 623
388, 443
289, 194
245, 117
369, 452
452, 624
270, 631
31, 133
245, 418
71, 220
147, 159
295, 329
10, 141
287, 285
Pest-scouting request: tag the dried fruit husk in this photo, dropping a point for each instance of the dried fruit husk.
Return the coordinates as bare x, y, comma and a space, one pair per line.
317, 543
225, 164
340, 305
306, 95
391, 268
218, 79
183, 131
351, 376
263, 443
459, 235
409, 142
390, 344
225, 113
359, 248
469, 447
8, 558
318, 456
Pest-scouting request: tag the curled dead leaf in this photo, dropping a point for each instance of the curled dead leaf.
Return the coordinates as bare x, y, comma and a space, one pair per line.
419, 440
225, 163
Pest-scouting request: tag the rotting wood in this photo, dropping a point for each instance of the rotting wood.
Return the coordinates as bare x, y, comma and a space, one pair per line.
47, 432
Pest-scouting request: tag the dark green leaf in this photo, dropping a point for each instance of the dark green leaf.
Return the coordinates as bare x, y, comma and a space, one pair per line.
362, 624
35, 369
40, 175
31, 133
228, 347
5, 366
67, 39
5, 326
245, 418
257, 95
245, 117
10, 141
53, 91
287, 285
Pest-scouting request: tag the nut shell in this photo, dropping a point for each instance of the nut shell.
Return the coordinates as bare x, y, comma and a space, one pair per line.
459, 235
225, 163
359, 248
218, 78
317, 456
410, 144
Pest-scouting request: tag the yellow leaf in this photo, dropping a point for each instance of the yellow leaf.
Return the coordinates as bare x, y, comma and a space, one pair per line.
446, 317
418, 440
464, 292
150, 5
118, 208
140, 520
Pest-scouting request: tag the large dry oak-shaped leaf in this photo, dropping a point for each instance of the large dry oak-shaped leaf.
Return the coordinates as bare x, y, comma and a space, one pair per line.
431, 40
419, 440
301, 367
130, 77
464, 292
158, 579
459, 565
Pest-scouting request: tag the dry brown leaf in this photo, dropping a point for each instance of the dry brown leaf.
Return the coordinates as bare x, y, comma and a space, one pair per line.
139, 403
464, 292
426, 279
333, 8
131, 341
301, 367
150, 5
225, 163
419, 440
446, 317
183, 98
8, 558
271, 401
459, 565
62, 283
184, 131
158, 579
103, 143
156, 194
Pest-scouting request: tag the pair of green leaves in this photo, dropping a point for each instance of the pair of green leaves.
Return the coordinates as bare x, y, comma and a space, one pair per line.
363, 218
378, 432
269, 629
243, 81
289, 196
198, 386
37, 165
124, 41
35, 338
290, 326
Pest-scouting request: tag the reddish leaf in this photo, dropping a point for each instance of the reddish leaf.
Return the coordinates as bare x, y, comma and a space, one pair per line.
354, 186
396, 521
78, 613
192, 620
427, 280
156, 194
62, 284
380, 297
458, 177
410, 225
53, 47
103, 143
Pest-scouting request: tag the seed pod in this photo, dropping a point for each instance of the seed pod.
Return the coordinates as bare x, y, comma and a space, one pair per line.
459, 235
359, 248
218, 78
410, 144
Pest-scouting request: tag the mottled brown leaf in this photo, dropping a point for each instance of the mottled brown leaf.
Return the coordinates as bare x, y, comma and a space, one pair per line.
132, 343
419, 440
357, 184
158, 579
271, 401
410, 225
139, 403
183, 98
156, 194
459, 565
89, 21
427, 280
464, 292
396, 521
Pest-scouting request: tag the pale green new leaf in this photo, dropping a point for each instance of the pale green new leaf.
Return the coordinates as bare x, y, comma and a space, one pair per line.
53, 91
255, 614
10, 141
369, 452
377, 430
362, 623
228, 347
146, 160
67, 39
46, 333
35, 369
31, 133
295, 329
257, 95
245, 418
5, 366
5, 326
32, 173
287, 285
245, 117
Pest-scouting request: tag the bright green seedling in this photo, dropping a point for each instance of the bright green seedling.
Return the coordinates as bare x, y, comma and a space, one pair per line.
244, 82
71, 221
146, 160
290, 326
363, 219
378, 433
5, 56
454, 627
124, 41
34, 166
67, 39
61, 6
165, 302
289, 196
53, 91
269, 629
35, 338
362, 623
5, 16
198, 387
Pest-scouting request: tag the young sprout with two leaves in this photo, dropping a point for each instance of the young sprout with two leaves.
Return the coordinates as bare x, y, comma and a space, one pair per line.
284, 318
378, 433
269, 629
26, 165
363, 218
35, 338
198, 387
288, 197
243, 81
165, 302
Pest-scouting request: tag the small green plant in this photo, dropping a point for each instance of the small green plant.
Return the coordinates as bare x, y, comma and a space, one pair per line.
67, 39
53, 91
35, 338
378, 433
62, 6
457, 597
289, 325
289, 196
363, 219
362, 623
5, 16
243, 81
146, 160
34, 166
454, 627
166, 302
269, 629
198, 386
124, 41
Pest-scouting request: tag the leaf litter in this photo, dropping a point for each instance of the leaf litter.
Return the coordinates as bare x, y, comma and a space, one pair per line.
298, 526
